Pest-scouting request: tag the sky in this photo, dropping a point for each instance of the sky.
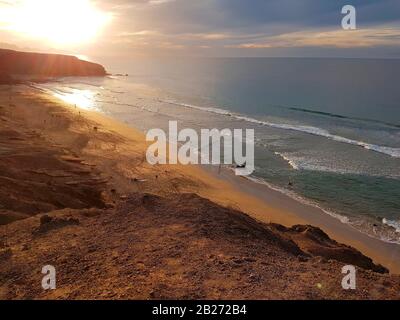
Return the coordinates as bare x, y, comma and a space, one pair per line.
223, 28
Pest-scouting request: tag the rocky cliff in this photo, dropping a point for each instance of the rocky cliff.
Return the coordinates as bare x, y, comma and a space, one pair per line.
45, 65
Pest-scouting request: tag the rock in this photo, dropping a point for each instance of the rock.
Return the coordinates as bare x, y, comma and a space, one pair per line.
45, 219
248, 259
302, 258
110, 205
322, 260
71, 159
317, 243
5, 254
92, 249
47, 223
238, 260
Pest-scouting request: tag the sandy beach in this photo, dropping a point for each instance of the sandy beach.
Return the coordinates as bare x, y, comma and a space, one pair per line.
98, 173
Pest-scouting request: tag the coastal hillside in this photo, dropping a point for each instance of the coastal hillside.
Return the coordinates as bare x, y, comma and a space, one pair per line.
76, 193
16, 63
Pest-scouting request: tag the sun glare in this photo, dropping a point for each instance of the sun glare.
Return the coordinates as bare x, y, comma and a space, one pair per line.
57, 21
81, 98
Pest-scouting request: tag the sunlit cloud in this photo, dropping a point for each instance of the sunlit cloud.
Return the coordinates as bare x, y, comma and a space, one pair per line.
139, 33
339, 38
159, 1
210, 36
210, 27
332, 38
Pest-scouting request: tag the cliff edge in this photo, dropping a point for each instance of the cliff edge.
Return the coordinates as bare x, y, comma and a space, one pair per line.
16, 63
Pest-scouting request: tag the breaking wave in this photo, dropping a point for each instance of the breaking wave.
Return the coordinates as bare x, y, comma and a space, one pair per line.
393, 152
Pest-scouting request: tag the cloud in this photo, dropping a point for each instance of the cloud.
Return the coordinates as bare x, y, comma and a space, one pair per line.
159, 1
329, 38
139, 33
223, 27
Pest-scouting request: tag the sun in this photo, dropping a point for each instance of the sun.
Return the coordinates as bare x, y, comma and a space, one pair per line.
60, 22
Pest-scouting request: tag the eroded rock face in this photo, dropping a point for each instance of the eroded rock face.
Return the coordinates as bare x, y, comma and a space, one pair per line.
313, 241
46, 65
48, 223
180, 247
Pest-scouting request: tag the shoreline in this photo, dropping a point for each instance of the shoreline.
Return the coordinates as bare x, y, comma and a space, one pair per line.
385, 253
257, 199
260, 202
370, 221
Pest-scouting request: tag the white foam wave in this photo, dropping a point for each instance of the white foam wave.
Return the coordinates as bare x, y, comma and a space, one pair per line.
291, 162
393, 152
392, 223
300, 199
191, 106
354, 223
301, 163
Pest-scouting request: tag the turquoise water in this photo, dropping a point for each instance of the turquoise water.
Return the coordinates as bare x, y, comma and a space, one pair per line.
331, 127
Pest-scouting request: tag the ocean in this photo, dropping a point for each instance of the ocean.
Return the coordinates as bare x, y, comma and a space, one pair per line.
330, 127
